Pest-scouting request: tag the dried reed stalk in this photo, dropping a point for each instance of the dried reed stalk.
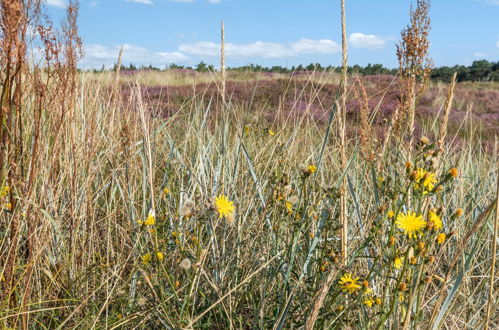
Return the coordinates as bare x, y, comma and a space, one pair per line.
319, 299
222, 61
321, 295
494, 258
118, 65
448, 104
343, 202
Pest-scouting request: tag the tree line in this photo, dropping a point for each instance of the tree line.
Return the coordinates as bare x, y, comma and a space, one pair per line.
481, 70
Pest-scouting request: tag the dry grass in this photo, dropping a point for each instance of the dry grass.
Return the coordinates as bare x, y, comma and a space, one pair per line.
110, 221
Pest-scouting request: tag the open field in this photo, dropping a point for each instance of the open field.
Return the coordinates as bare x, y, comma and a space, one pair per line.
185, 200
116, 159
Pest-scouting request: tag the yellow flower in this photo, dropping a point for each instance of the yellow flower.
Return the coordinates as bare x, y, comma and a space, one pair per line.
390, 214
435, 219
459, 212
160, 256
398, 262
271, 132
289, 207
349, 284
369, 302
166, 191
441, 238
224, 206
419, 174
311, 169
411, 224
146, 258
427, 179
5, 191
7, 206
151, 220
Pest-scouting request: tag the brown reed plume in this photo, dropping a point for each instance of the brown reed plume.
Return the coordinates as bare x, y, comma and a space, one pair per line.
13, 24
414, 65
368, 140
21, 154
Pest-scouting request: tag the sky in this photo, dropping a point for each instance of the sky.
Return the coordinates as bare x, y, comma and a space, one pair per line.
276, 32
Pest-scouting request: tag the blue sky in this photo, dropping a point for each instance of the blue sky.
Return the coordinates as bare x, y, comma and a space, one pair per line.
277, 32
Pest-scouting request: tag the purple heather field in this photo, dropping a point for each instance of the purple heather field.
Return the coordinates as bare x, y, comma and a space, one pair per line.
294, 96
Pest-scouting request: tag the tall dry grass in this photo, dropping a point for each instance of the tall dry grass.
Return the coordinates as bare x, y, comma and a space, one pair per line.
77, 251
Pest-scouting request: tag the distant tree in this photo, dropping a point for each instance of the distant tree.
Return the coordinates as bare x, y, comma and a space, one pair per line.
480, 70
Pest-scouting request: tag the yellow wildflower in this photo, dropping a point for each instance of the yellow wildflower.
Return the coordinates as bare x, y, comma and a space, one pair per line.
5, 191
425, 178
435, 220
160, 256
398, 262
166, 191
441, 238
151, 220
146, 258
311, 169
390, 214
453, 172
271, 132
411, 224
369, 302
224, 206
289, 207
349, 284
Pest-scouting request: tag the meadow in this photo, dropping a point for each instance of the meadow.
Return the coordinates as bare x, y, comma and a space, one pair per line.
226, 200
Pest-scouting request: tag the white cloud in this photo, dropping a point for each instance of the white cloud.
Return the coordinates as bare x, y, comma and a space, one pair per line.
490, 2
368, 41
309, 46
480, 55
214, 1
57, 3
262, 49
97, 55
145, 2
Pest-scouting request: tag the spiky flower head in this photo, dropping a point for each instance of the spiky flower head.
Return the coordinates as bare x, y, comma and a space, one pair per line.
224, 206
146, 258
349, 284
434, 220
398, 262
410, 223
441, 238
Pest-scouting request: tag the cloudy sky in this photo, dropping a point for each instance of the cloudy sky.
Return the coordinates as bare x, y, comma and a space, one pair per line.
277, 32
